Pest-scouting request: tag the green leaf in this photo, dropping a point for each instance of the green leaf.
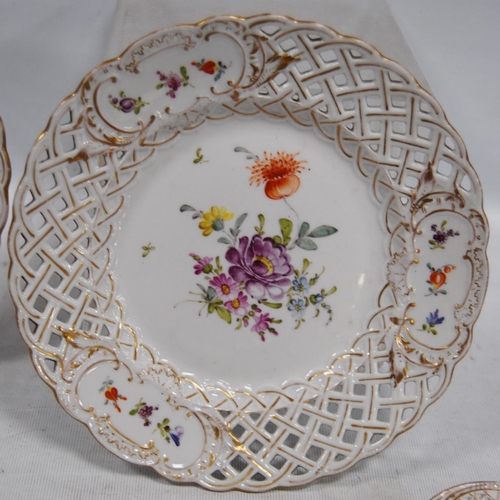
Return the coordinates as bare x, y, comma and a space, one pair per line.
277, 321
240, 220
322, 231
196, 216
332, 290
211, 293
136, 110
222, 239
133, 412
305, 265
303, 229
224, 314
262, 221
217, 262
286, 226
272, 305
210, 308
306, 244
277, 240
239, 149
201, 288
184, 72
434, 332
187, 208
196, 160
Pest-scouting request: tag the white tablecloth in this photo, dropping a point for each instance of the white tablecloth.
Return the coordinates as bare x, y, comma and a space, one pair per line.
45, 50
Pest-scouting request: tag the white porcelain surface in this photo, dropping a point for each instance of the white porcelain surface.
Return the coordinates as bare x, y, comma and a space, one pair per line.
97, 277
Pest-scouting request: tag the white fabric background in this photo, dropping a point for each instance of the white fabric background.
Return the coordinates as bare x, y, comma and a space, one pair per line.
45, 50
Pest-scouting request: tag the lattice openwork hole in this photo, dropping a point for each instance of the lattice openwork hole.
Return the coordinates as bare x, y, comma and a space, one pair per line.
367, 75
85, 325
466, 183
376, 437
55, 280
349, 436
332, 408
424, 132
63, 316
303, 419
303, 66
325, 429
255, 446
35, 262
74, 169
421, 157
218, 475
61, 205
399, 127
49, 181
280, 79
224, 413
328, 56
407, 413
32, 326
288, 44
340, 79
373, 101
238, 463
55, 340
410, 388
270, 29
238, 431
68, 143
314, 453
432, 382
299, 471
278, 461
291, 441
384, 415
359, 389
271, 427
356, 413
385, 390
51, 364
444, 168
40, 304
258, 477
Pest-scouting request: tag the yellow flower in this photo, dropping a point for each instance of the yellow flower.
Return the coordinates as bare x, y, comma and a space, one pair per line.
214, 220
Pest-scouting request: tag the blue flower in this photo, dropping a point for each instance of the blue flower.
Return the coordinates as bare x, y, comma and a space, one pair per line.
317, 299
434, 319
301, 285
297, 307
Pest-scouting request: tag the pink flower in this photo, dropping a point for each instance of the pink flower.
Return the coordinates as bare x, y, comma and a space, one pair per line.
225, 286
238, 305
203, 265
261, 323
173, 81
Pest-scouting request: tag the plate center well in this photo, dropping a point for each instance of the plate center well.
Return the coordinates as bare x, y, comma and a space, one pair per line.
250, 254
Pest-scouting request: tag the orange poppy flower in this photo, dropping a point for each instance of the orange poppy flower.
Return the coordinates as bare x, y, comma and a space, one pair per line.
278, 173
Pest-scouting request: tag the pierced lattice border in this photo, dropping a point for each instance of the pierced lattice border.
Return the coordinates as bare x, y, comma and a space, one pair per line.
5, 173
69, 202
